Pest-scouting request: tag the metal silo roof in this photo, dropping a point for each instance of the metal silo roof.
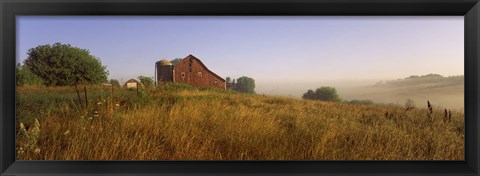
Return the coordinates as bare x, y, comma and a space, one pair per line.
165, 62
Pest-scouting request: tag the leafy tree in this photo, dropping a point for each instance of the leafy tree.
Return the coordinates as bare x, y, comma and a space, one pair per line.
62, 64
176, 61
115, 82
146, 81
245, 84
327, 94
228, 81
24, 76
323, 94
309, 95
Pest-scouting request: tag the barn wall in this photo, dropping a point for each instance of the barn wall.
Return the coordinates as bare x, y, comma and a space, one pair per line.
197, 75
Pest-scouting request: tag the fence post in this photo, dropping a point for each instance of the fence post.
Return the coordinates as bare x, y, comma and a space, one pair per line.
78, 95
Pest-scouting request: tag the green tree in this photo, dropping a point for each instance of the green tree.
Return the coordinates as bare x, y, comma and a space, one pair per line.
228, 79
245, 84
176, 61
323, 94
228, 82
114, 82
327, 94
24, 76
62, 64
146, 81
309, 95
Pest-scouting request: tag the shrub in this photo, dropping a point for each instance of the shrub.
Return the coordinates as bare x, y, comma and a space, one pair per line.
323, 94
361, 102
146, 81
115, 82
24, 76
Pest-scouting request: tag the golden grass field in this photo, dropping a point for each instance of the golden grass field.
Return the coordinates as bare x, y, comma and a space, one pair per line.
182, 123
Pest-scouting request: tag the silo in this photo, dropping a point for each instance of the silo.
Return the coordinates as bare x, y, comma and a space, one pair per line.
164, 71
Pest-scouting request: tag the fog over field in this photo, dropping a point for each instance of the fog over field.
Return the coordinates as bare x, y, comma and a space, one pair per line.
449, 95
297, 88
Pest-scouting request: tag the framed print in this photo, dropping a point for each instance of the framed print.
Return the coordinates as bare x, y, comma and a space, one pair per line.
239, 87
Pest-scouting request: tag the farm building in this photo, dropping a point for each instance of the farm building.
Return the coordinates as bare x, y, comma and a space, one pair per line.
189, 70
132, 84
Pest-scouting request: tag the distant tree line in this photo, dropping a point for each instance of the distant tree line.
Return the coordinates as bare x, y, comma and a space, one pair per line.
428, 78
330, 94
327, 93
243, 84
146, 81
114, 82
323, 94
360, 102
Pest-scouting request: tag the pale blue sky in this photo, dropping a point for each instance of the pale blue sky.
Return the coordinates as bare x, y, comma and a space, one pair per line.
272, 50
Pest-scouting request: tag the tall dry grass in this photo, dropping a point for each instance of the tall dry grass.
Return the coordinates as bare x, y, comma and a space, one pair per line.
189, 124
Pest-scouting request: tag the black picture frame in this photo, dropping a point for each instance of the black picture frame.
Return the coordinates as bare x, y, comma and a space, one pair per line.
9, 9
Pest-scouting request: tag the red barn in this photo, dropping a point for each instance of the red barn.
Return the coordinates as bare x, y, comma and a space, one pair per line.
189, 70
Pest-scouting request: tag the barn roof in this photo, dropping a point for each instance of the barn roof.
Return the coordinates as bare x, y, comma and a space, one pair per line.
205, 67
132, 80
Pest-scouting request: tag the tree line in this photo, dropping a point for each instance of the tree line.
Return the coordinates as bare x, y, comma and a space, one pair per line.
243, 84
330, 94
327, 93
323, 93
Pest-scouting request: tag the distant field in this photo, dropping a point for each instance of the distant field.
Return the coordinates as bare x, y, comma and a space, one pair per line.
447, 92
178, 122
447, 96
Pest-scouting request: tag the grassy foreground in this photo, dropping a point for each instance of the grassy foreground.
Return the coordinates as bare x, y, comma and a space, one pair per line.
182, 123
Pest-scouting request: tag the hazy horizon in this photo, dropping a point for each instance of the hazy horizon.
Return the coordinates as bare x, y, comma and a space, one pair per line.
283, 54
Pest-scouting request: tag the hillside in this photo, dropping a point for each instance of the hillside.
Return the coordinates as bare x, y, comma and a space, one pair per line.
183, 123
432, 79
447, 92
